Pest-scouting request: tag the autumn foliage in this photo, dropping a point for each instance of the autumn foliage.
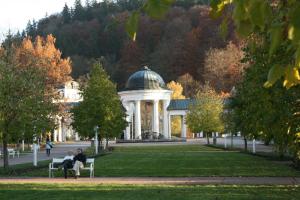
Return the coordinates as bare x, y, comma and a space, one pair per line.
43, 54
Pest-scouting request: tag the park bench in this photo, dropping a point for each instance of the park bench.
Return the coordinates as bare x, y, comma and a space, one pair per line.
12, 152
54, 165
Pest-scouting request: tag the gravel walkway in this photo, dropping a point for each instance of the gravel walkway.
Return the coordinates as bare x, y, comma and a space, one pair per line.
162, 180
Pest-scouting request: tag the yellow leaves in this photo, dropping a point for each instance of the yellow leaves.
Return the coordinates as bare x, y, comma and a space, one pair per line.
177, 90
132, 25
275, 73
292, 77
217, 7
290, 73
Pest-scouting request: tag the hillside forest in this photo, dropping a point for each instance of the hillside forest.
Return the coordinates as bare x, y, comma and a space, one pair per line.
185, 46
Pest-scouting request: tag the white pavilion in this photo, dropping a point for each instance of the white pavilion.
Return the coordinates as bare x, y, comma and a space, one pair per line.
146, 87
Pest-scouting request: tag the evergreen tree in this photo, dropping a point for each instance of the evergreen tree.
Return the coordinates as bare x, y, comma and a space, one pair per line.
101, 106
66, 14
79, 12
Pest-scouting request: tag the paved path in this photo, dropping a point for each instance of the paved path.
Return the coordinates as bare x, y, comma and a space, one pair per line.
163, 180
59, 150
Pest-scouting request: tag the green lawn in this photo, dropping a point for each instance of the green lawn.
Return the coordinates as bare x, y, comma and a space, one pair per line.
186, 160
130, 192
181, 161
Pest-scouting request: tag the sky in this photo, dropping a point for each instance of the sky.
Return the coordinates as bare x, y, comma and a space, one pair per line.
15, 14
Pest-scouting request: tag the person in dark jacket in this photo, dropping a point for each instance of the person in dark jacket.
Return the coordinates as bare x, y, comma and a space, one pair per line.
79, 162
68, 163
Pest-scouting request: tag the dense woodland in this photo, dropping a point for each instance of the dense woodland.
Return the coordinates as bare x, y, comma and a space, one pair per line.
173, 46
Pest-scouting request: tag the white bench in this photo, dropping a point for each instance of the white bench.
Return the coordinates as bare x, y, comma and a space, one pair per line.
12, 152
88, 166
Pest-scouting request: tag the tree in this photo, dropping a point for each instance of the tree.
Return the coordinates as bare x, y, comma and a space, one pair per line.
177, 94
43, 54
205, 114
267, 114
25, 104
66, 14
223, 68
177, 90
79, 12
100, 107
279, 20
190, 86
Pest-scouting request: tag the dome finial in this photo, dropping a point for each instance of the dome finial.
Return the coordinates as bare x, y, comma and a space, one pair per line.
146, 67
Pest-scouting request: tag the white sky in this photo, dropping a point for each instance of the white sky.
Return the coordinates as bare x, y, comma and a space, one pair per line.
14, 14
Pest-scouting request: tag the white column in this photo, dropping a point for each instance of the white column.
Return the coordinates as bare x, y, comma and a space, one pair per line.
166, 119
183, 127
59, 130
76, 136
126, 105
34, 146
138, 133
127, 130
169, 126
253, 146
155, 116
55, 135
23, 145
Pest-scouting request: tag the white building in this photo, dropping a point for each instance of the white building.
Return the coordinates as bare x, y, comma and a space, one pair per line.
69, 96
144, 89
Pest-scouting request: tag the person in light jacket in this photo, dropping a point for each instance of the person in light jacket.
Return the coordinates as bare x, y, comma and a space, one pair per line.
79, 162
48, 147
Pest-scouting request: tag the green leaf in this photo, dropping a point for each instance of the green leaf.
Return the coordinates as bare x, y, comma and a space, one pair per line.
244, 28
132, 25
275, 73
239, 12
157, 8
276, 38
256, 12
224, 28
294, 15
297, 57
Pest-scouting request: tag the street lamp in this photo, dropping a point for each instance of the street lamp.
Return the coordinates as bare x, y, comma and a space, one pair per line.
96, 138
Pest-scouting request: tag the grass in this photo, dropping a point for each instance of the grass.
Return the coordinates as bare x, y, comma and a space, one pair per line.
180, 161
130, 192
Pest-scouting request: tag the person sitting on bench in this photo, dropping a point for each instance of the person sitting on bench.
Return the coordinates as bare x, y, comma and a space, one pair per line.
79, 162
68, 163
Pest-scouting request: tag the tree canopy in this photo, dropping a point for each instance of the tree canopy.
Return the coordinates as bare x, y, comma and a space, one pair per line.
101, 107
206, 113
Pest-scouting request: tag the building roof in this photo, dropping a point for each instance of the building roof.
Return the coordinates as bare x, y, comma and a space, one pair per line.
146, 79
181, 104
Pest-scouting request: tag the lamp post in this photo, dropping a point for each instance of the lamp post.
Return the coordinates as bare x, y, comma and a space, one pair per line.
34, 148
96, 138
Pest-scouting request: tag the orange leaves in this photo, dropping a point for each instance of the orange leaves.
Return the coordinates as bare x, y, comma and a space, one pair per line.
42, 53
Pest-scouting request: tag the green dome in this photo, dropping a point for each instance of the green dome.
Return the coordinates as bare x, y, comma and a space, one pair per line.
145, 79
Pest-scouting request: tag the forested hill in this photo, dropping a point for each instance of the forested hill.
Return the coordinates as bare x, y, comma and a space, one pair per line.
173, 46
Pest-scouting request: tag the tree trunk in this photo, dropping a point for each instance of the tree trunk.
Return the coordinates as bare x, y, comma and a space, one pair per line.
5, 153
231, 142
207, 138
246, 144
106, 143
